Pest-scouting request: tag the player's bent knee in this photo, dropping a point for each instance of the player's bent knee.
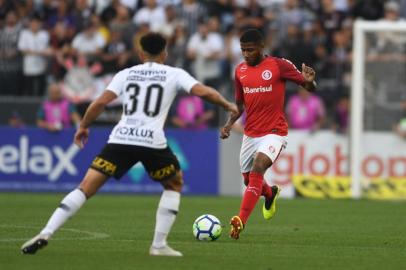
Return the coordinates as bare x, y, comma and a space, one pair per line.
174, 183
258, 167
92, 182
261, 163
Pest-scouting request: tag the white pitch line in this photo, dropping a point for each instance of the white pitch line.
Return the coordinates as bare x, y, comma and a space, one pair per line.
90, 235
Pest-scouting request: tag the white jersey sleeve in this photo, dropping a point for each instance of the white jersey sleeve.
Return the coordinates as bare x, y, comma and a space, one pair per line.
185, 81
117, 83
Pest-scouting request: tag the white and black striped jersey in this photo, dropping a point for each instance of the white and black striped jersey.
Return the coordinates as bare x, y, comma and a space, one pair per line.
148, 91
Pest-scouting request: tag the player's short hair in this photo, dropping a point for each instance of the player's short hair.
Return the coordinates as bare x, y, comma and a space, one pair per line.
251, 35
153, 43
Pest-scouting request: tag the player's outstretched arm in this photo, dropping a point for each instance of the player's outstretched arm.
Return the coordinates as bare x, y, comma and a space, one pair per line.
212, 96
92, 112
309, 75
232, 117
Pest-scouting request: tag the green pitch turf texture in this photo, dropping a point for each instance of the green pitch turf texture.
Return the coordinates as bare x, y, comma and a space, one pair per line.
115, 232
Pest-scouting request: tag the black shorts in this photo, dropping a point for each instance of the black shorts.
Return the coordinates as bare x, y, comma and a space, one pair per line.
116, 159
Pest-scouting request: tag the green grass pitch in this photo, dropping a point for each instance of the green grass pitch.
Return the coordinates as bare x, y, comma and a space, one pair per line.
115, 232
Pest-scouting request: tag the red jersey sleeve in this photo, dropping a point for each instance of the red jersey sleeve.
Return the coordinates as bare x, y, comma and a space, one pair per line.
239, 95
289, 72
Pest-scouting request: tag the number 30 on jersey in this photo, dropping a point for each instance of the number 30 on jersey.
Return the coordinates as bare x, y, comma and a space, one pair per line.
153, 99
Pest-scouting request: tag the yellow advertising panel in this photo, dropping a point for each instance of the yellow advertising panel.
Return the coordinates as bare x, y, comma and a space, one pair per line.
338, 187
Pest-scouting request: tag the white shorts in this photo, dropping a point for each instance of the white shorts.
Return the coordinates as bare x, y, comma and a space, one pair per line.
271, 145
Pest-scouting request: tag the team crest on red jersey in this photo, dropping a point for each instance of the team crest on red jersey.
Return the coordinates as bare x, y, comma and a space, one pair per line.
266, 75
243, 68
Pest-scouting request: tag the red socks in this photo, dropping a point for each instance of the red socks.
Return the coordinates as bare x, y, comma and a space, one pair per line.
251, 195
266, 189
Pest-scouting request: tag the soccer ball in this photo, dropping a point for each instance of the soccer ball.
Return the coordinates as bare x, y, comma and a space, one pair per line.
207, 228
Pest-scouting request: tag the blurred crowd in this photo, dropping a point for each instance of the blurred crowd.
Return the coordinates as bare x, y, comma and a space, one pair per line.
79, 44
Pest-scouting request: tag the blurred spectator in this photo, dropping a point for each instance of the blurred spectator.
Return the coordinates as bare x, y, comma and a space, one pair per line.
81, 13
340, 58
10, 57
205, 49
317, 37
322, 63
255, 18
191, 12
171, 22
389, 46
341, 115
62, 14
25, 10
5, 7
392, 14
121, 22
15, 120
296, 48
367, 9
60, 44
233, 50
109, 12
341, 5
222, 9
239, 15
89, 42
142, 30
151, 14
34, 44
131, 4
403, 9
101, 28
391, 11
79, 82
177, 47
305, 111
270, 44
191, 112
116, 54
45, 9
56, 113
330, 19
253, 14
169, 2
291, 14
99, 5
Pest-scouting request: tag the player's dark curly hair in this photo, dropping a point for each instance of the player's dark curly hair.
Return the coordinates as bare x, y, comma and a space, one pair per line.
153, 43
251, 35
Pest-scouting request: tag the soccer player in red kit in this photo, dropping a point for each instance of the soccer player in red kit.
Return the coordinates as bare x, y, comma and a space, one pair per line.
260, 91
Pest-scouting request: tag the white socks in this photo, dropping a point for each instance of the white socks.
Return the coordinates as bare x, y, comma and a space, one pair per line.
165, 216
68, 207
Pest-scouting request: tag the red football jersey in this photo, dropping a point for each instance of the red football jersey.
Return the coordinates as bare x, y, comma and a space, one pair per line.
262, 90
